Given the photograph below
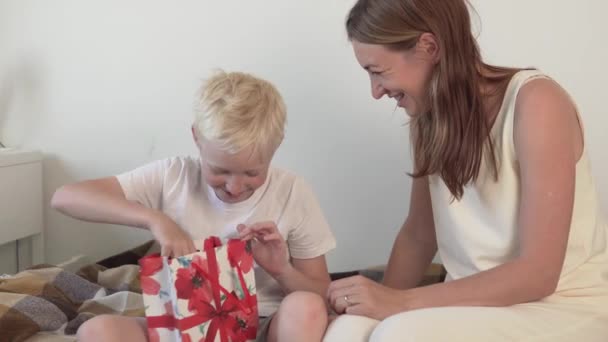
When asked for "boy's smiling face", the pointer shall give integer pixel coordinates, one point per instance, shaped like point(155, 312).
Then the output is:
point(233, 177)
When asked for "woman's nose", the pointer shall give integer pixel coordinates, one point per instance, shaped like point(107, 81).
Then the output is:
point(377, 90)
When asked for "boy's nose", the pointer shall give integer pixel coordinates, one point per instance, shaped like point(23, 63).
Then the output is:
point(234, 186)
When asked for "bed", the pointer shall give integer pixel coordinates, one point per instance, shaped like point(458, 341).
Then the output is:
point(49, 302)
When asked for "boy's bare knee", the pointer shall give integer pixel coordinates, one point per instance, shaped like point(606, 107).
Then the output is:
point(302, 316)
point(95, 329)
point(112, 328)
point(306, 308)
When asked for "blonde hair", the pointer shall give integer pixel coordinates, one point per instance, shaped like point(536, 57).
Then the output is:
point(237, 110)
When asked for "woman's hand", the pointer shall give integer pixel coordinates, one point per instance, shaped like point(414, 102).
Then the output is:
point(268, 247)
point(359, 295)
point(173, 240)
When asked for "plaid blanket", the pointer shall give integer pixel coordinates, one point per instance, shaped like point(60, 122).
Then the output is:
point(55, 301)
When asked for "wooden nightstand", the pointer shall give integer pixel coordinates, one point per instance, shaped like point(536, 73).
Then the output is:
point(21, 203)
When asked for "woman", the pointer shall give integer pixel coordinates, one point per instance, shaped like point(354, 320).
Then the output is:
point(502, 189)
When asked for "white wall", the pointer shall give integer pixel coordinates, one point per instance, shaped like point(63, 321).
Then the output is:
point(104, 86)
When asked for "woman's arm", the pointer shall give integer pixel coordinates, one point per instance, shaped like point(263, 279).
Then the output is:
point(416, 244)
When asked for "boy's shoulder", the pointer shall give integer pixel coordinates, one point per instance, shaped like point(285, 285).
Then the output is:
point(279, 177)
point(280, 174)
point(289, 183)
point(185, 163)
point(175, 168)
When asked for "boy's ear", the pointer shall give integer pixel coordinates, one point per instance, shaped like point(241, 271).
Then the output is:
point(194, 136)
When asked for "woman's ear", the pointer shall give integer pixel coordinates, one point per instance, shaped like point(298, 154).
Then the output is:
point(428, 44)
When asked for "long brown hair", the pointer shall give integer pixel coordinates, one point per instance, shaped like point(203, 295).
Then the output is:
point(451, 138)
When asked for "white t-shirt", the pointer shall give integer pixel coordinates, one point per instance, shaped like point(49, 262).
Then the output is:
point(175, 186)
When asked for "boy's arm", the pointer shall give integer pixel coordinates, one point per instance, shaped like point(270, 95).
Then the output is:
point(270, 252)
point(308, 243)
point(103, 200)
point(305, 275)
point(297, 264)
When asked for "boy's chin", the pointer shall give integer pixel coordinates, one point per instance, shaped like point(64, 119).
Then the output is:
point(224, 197)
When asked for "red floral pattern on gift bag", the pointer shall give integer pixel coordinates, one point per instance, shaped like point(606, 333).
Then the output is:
point(148, 268)
point(239, 254)
point(212, 293)
point(190, 283)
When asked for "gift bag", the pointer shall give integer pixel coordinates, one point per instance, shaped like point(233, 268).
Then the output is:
point(206, 296)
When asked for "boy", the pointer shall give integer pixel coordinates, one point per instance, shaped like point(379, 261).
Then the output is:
point(239, 124)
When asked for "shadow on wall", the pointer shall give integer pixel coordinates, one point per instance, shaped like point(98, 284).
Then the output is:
point(55, 174)
point(21, 101)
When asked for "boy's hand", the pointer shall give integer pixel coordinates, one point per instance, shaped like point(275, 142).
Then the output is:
point(174, 241)
point(268, 247)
